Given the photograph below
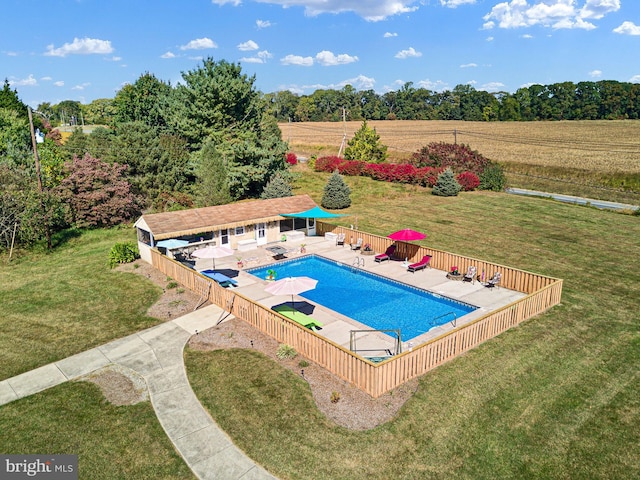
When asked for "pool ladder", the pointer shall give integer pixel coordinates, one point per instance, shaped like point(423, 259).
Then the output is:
point(356, 262)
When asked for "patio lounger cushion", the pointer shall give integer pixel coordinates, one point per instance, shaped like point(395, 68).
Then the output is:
point(419, 265)
point(298, 317)
point(386, 255)
point(221, 279)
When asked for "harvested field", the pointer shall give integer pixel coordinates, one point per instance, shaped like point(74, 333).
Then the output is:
point(597, 146)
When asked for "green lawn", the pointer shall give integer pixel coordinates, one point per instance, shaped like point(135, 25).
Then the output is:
point(111, 442)
point(557, 397)
point(64, 302)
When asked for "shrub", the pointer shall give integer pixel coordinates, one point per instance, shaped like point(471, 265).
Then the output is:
point(335, 397)
point(446, 185)
point(328, 164)
point(365, 145)
point(493, 178)
point(336, 193)
point(352, 168)
point(172, 284)
point(303, 364)
point(286, 352)
point(125, 252)
point(459, 158)
point(468, 181)
point(291, 158)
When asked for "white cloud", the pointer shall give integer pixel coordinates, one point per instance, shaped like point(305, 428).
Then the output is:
point(438, 85)
point(30, 81)
point(248, 46)
point(263, 24)
point(168, 55)
point(372, 11)
point(455, 3)
point(115, 59)
point(490, 39)
point(635, 79)
point(469, 65)
point(556, 14)
point(326, 58)
point(46, 79)
point(492, 87)
point(81, 86)
point(599, 8)
point(595, 73)
point(59, 83)
point(526, 36)
point(84, 46)
point(260, 57)
point(297, 60)
point(628, 28)
point(408, 53)
point(389, 34)
point(361, 82)
point(12, 54)
point(199, 44)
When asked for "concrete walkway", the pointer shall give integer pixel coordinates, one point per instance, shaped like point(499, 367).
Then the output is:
point(157, 355)
point(602, 204)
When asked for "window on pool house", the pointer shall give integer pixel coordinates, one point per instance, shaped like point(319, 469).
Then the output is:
point(239, 231)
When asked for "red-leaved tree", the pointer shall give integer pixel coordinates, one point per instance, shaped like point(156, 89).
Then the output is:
point(97, 194)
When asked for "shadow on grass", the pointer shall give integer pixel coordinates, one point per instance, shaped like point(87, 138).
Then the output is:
point(61, 238)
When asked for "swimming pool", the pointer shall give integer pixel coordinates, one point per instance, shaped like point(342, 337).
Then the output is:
point(371, 299)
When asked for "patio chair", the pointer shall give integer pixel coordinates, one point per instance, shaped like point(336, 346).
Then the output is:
point(386, 255)
point(470, 276)
point(422, 264)
point(340, 239)
point(494, 281)
point(357, 245)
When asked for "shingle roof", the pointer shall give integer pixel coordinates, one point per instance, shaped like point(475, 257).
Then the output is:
point(199, 220)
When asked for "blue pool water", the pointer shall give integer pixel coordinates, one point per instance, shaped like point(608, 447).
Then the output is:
point(371, 299)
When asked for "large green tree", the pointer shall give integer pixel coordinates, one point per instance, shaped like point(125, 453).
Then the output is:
point(218, 103)
point(144, 101)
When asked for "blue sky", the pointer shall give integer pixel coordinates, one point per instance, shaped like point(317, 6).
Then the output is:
point(88, 49)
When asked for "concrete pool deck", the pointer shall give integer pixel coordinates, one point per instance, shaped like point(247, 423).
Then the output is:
point(337, 327)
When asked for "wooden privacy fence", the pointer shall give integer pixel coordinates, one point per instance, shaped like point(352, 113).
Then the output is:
point(376, 379)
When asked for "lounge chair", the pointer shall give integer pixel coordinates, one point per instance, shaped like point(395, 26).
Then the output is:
point(220, 278)
point(357, 245)
point(298, 317)
point(414, 267)
point(470, 276)
point(340, 239)
point(493, 281)
point(386, 255)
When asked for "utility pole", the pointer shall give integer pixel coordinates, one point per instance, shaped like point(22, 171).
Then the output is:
point(39, 176)
point(455, 136)
point(344, 136)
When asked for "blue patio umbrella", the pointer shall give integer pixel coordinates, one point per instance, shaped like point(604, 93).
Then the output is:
point(172, 243)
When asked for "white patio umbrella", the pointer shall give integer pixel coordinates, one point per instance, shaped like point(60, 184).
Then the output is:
point(291, 286)
point(212, 252)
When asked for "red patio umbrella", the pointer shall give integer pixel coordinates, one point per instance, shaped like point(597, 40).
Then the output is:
point(407, 235)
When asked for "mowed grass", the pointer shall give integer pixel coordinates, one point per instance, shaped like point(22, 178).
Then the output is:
point(67, 301)
point(110, 441)
point(557, 397)
point(596, 159)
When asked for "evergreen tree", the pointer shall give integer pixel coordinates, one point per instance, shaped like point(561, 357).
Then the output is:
point(446, 186)
point(212, 178)
point(336, 193)
point(365, 145)
point(277, 187)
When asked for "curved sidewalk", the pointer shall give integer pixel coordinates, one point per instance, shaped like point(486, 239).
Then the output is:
point(157, 355)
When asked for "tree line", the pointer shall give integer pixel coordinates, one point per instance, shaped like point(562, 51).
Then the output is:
point(602, 100)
